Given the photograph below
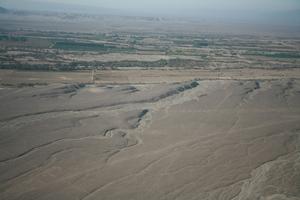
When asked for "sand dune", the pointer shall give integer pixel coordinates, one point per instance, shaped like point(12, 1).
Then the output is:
point(210, 139)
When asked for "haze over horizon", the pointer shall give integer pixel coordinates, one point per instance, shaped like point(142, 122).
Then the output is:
point(267, 11)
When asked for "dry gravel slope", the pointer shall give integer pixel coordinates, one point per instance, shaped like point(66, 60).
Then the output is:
point(231, 140)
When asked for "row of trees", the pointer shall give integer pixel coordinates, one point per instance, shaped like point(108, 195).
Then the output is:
point(81, 65)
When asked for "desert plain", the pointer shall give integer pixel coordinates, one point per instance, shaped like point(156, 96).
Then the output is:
point(177, 119)
point(191, 139)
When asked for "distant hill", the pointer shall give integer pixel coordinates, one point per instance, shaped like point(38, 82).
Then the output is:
point(291, 17)
point(3, 10)
point(44, 6)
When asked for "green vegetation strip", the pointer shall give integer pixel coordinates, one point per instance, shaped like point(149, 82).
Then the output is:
point(82, 46)
point(12, 38)
point(274, 54)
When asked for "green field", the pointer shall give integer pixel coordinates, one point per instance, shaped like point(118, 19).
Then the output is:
point(12, 38)
point(85, 46)
point(271, 54)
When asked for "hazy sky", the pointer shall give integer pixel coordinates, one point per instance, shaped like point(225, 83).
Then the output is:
point(244, 9)
point(180, 5)
point(193, 4)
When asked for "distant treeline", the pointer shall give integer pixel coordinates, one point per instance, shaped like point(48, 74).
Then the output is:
point(13, 38)
point(81, 65)
point(274, 54)
point(84, 46)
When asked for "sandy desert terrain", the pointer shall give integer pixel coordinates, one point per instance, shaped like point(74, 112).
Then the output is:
point(96, 107)
point(204, 139)
point(15, 78)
